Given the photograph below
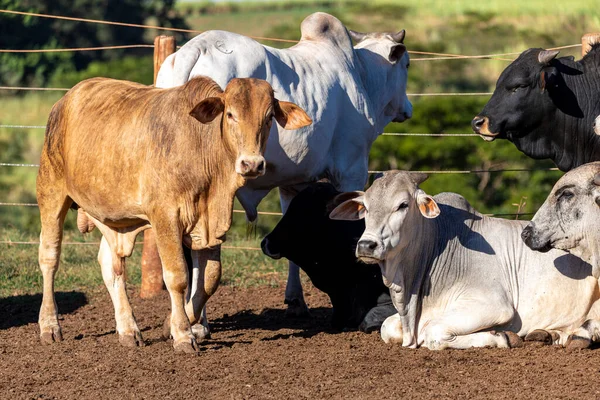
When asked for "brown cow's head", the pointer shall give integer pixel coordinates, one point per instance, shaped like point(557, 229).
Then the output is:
point(249, 107)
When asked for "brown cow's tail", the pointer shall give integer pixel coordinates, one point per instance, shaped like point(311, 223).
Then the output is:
point(84, 223)
point(54, 137)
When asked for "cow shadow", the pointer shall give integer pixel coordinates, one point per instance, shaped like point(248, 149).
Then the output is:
point(21, 310)
point(272, 319)
point(573, 267)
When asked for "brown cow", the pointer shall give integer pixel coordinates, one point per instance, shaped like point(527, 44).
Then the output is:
point(134, 156)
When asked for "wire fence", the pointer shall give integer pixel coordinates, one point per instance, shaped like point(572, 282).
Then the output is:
point(434, 57)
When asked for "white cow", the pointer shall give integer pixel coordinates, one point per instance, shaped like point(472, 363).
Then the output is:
point(459, 279)
point(351, 94)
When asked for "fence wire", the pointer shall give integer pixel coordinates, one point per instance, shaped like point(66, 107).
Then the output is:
point(441, 56)
point(11, 242)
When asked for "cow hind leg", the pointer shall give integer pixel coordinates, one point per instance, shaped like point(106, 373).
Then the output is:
point(54, 206)
point(466, 326)
point(583, 337)
point(129, 333)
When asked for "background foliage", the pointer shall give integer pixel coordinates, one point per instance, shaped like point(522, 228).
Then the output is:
point(462, 27)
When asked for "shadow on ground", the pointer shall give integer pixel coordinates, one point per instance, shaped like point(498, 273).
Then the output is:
point(272, 319)
point(22, 310)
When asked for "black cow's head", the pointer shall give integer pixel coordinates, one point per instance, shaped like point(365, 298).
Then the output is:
point(325, 250)
point(532, 104)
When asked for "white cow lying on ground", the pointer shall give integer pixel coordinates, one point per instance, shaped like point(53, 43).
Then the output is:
point(459, 279)
point(351, 94)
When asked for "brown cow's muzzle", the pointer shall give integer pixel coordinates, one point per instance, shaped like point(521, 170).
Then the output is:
point(250, 167)
point(481, 126)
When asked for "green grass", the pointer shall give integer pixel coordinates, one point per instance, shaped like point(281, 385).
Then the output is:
point(79, 269)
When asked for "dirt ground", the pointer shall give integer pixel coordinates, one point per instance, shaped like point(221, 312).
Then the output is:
point(256, 352)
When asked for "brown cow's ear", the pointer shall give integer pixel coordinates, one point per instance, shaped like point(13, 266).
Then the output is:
point(427, 205)
point(290, 116)
point(208, 109)
point(351, 209)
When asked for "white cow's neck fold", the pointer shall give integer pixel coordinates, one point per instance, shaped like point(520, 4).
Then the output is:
point(405, 268)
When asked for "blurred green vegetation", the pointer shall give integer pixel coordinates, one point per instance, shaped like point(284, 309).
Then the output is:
point(460, 27)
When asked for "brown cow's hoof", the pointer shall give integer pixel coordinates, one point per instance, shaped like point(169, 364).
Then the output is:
point(134, 340)
point(297, 308)
point(514, 340)
point(539, 335)
point(55, 335)
point(577, 343)
point(187, 347)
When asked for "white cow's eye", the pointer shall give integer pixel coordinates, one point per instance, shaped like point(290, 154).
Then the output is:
point(566, 194)
point(403, 206)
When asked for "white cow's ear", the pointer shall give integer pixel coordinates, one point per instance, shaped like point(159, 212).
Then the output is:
point(350, 209)
point(396, 52)
point(208, 109)
point(427, 205)
point(290, 116)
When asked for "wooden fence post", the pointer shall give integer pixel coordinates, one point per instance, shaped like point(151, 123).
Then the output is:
point(588, 40)
point(152, 281)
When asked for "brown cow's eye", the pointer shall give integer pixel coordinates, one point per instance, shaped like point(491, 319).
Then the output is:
point(229, 115)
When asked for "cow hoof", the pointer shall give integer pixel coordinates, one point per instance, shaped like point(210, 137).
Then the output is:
point(188, 347)
point(514, 340)
point(201, 332)
point(577, 342)
point(539, 335)
point(134, 340)
point(53, 335)
point(297, 308)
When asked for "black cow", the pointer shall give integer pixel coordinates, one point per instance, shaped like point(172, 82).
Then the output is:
point(325, 250)
point(547, 106)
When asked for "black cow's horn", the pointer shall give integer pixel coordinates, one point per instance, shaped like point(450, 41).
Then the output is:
point(399, 37)
point(357, 36)
point(597, 179)
point(546, 56)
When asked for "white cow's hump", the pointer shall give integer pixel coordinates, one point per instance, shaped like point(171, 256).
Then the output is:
point(320, 26)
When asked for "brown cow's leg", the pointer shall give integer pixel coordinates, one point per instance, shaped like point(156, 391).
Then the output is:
point(54, 205)
point(168, 240)
point(129, 333)
point(205, 281)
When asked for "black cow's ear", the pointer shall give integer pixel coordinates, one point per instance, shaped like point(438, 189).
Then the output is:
point(549, 78)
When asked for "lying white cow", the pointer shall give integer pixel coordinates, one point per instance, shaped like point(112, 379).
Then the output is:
point(459, 279)
point(351, 94)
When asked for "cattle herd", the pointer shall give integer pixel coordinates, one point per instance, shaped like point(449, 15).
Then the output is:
point(424, 270)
